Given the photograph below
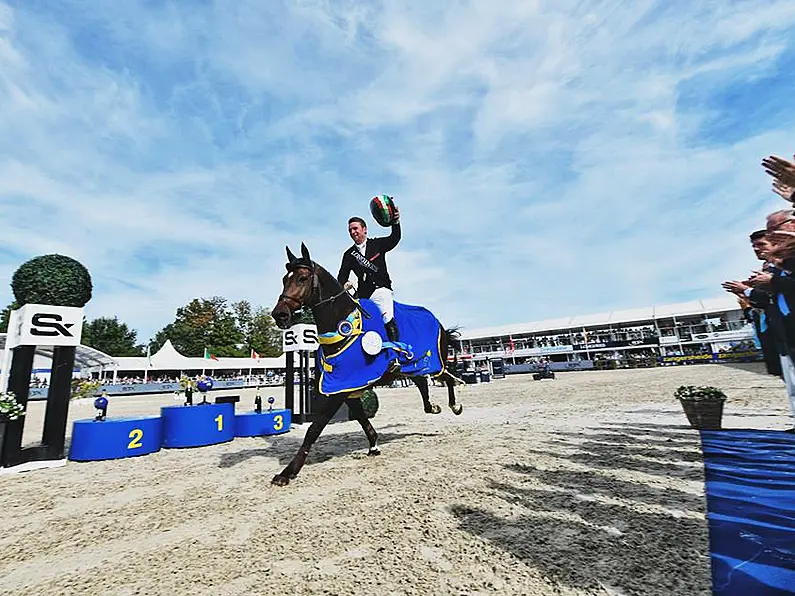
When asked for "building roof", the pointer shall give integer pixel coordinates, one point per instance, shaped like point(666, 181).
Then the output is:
point(616, 317)
point(167, 358)
point(85, 357)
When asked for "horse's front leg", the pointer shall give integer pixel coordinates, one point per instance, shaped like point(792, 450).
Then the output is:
point(357, 410)
point(330, 407)
point(422, 385)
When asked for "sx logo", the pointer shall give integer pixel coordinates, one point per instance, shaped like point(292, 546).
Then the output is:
point(49, 325)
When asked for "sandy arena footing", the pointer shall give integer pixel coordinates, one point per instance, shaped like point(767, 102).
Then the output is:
point(589, 484)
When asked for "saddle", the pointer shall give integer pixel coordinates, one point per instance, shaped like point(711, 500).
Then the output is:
point(366, 355)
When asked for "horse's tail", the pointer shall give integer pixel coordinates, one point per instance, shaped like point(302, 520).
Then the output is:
point(452, 337)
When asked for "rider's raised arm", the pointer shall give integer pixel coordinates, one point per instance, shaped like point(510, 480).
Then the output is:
point(392, 240)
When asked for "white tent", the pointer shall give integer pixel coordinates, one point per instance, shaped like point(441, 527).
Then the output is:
point(167, 358)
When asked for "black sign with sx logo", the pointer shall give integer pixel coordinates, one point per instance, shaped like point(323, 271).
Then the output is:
point(50, 325)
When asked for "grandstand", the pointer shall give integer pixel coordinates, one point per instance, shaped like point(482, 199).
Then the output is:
point(702, 330)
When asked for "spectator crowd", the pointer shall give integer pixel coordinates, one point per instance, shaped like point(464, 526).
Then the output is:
point(767, 296)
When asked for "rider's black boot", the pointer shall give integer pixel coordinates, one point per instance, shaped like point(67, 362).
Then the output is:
point(392, 330)
point(392, 335)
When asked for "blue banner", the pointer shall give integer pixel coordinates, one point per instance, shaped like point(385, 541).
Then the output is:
point(134, 388)
point(40, 393)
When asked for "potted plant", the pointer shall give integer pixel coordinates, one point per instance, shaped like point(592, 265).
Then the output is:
point(703, 406)
point(10, 409)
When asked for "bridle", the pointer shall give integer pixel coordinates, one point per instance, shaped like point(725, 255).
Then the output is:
point(290, 301)
point(293, 303)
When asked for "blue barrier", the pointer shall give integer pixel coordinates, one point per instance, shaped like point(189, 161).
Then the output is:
point(114, 438)
point(512, 369)
point(197, 426)
point(254, 424)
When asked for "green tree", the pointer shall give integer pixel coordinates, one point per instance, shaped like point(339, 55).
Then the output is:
point(5, 316)
point(112, 337)
point(304, 316)
point(263, 335)
point(203, 323)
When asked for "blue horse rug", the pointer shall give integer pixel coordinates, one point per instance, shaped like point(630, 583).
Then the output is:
point(750, 487)
point(418, 350)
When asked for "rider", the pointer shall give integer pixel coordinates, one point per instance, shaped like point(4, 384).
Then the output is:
point(367, 259)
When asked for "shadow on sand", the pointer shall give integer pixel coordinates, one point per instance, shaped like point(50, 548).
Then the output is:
point(328, 446)
point(594, 530)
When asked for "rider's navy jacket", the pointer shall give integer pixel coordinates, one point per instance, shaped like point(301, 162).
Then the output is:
point(370, 268)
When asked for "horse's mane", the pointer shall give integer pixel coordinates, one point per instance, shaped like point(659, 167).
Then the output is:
point(326, 278)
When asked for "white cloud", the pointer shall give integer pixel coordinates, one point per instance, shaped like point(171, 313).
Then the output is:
point(549, 159)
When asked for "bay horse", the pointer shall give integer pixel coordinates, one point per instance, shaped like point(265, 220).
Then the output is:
point(309, 285)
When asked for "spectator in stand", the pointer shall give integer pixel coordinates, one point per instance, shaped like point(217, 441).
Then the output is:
point(781, 284)
point(769, 294)
point(758, 308)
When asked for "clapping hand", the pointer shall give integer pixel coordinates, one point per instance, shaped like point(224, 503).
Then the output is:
point(781, 169)
point(760, 279)
point(784, 191)
point(735, 287)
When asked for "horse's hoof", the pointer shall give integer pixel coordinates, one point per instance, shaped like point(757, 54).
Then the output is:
point(457, 409)
point(434, 409)
point(373, 451)
point(280, 480)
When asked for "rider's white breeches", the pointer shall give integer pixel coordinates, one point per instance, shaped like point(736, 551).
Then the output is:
point(383, 299)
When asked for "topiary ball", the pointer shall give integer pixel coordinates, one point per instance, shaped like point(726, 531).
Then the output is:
point(52, 279)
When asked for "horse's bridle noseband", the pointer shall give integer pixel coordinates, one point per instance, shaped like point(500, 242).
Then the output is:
point(315, 286)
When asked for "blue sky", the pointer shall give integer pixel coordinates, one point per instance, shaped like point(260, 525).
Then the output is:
point(549, 158)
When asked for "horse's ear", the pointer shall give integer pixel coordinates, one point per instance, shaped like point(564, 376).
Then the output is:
point(290, 256)
point(305, 252)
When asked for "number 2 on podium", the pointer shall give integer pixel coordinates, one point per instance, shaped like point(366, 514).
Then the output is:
point(220, 421)
point(135, 434)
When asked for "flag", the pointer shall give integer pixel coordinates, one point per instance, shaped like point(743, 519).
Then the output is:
point(254, 354)
point(148, 356)
point(510, 338)
point(208, 355)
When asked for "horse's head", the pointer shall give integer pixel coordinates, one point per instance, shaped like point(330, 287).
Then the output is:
point(299, 284)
